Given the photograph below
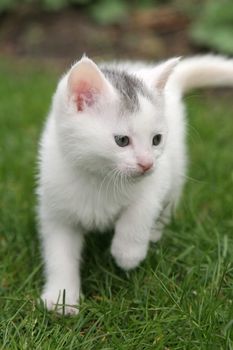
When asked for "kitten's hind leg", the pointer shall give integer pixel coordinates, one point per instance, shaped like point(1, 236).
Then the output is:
point(62, 253)
point(161, 222)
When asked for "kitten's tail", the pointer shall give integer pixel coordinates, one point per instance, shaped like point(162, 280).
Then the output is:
point(203, 71)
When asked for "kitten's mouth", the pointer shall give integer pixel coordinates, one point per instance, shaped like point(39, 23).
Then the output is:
point(138, 174)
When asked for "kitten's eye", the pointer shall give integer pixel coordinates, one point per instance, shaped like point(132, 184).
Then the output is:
point(121, 141)
point(157, 139)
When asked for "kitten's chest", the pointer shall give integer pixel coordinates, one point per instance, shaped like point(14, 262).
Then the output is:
point(96, 206)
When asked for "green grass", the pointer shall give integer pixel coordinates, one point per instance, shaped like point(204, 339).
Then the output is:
point(181, 297)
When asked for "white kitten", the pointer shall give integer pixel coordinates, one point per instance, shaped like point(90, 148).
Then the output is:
point(113, 154)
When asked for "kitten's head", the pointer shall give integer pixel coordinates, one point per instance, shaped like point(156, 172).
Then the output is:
point(109, 120)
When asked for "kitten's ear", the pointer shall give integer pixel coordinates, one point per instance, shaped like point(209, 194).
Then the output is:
point(86, 83)
point(164, 71)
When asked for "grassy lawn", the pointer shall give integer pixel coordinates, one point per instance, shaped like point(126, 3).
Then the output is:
point(181, 297)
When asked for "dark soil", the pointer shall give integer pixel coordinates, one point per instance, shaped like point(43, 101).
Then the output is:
point(148, 34)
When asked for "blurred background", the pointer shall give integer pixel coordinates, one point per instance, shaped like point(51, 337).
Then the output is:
point(105, 29)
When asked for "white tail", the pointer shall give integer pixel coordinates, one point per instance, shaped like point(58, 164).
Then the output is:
point(201, 71)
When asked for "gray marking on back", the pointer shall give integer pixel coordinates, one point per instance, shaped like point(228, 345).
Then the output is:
point(129, 88)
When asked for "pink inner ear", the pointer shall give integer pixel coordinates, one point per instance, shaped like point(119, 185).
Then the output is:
point(85, 95)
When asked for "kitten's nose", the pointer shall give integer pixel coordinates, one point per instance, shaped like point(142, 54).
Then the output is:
point(145, 166)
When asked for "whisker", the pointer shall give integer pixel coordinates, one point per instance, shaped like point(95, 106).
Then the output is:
point(102, 183)
point(115, 184)
point(192, 179)
point(112, 179)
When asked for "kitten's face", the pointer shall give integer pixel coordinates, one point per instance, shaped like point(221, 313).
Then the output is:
point(139, 139)
point(111, 126)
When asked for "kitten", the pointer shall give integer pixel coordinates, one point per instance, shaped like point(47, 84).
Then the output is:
point(113, 155)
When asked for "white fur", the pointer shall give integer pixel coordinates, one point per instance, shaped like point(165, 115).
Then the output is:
point(80, 191)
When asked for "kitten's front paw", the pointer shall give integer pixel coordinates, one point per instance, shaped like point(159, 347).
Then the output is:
point(156, 234)
point(63, 303)
point(127, 256)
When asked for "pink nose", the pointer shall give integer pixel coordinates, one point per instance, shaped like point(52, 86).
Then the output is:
point(145, 166)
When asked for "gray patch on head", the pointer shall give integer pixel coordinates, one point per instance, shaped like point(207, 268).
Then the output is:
point(128, 87)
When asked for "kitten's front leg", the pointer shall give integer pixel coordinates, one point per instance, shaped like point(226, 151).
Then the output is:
point(132, 234)
point(163, 219)
point(62, 253)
